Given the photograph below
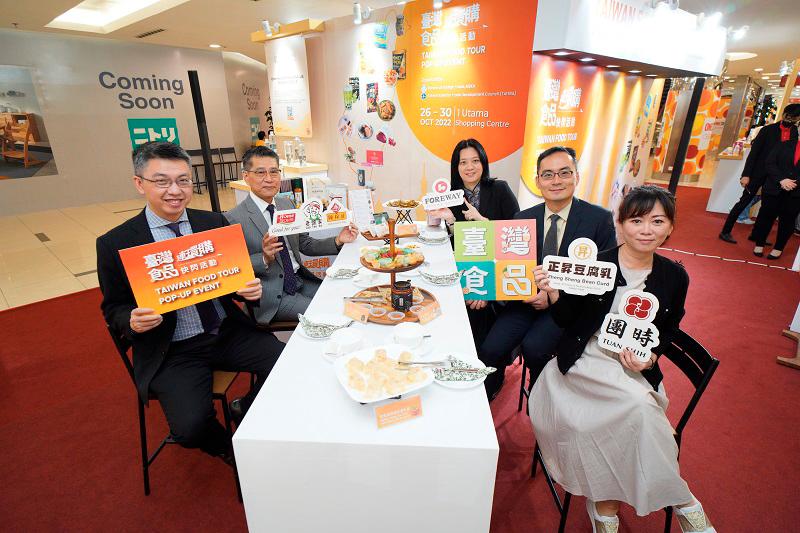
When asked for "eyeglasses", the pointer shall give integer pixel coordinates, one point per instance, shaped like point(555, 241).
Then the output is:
point(563, 174)
point(274, 173)
point(164, 183)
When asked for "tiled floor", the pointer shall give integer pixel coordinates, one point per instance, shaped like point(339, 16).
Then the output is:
point(51, 253)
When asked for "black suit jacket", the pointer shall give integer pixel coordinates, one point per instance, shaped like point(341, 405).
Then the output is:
point(149, 348)
point(497, 202)
point(585, 220)
point(781, 165)
point(582, 316)
point(755, 167)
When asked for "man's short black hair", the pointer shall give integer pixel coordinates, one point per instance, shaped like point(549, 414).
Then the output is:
point(157, 150)
point(554, 150)
point(792, 110)
point(262, 135)
point(257, 151)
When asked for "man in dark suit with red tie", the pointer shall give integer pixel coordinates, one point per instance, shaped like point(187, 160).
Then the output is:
point(755, 167)
point(175, 354)
point(560, 219)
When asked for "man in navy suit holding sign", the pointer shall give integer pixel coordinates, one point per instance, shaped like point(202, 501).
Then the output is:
point(560, 219)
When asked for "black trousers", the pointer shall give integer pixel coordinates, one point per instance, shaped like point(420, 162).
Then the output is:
point(743, 202)
point(481, 322)
point(183, 383)
point(519, 324)
point(785, 208)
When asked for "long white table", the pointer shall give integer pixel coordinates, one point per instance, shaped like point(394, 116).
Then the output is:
point(312, 460)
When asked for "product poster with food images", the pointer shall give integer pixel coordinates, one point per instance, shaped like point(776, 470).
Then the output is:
point(372, 97)
point(311, 216)
point(176, 273)
point(496, 259)
point(632, 326)
point(580, 273)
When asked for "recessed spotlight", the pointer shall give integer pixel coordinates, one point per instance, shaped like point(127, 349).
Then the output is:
point(652, 75)
point(587, 59)
point(635, 71)
point(764, 77)
point(738, 56)
point(214, 45)
point(563, 53)
point(758, 69)
point(612, 66)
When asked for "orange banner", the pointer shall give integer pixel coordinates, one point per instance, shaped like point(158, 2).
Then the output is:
point(176, 273)
point(467, 73)
point(702, 132)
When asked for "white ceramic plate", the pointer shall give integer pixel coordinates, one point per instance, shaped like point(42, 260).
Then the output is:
point(325, 318)
point(393, 351)
point(473, 362)
point(420, 351)
point(331, 273)
point(380, 279)
point(331, 357)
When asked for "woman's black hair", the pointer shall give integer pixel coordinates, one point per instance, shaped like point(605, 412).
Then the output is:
point(641, 200)
point(455, 178)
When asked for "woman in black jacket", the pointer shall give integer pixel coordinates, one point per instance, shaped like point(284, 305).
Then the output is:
point(780, 198)
point(599, 415)
point(485, 198)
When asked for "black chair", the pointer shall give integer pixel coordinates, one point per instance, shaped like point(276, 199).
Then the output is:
point(524, 391)
point(198, 168)
point(231, 164)
point(698, 365)
point(222, 383)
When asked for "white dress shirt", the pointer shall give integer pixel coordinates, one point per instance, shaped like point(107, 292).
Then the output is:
point(262, 206)
point(561, 223)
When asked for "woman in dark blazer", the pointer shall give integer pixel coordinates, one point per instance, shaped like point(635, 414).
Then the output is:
point(485, 198)
point(600, 415)
point(780, 198)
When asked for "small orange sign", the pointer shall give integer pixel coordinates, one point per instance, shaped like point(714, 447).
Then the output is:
point(399, 411)
point(176, 273)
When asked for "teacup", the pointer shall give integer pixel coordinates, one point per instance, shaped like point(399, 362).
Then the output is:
point(409, 334)
point(368, 277)
point(344, 341)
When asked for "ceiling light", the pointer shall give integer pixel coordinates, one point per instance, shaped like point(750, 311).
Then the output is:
point(214, 45)
point(738, 56)
point(105, 16)
point(612, 66)
point(635, 71)
point(764, 77)
point(758, 69)
point(563, 53)
point(360, 15)
point(739, 33)
point(587, 59)
point(437, 4)
point(652, 75)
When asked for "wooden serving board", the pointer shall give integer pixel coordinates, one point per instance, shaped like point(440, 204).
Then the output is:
point(402, 231)
point(427, 299)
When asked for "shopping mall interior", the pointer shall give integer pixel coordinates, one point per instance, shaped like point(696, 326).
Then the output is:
point(363, 105)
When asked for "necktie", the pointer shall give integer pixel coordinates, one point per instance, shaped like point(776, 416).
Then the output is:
point(206, 310)
point(550, 246)
point(289, 277)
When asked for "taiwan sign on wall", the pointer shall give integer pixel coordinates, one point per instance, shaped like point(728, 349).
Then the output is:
point(496, 259)
point(144, 130)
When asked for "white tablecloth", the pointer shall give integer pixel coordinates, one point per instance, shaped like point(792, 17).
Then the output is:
point(312, 459)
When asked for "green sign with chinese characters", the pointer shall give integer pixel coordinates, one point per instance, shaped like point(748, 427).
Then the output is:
point(144, 130)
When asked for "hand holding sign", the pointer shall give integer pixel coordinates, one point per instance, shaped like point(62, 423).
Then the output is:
point(632, 328)
point(442, 196)
point(581, 273)
point(310, 217)
point(271, 246)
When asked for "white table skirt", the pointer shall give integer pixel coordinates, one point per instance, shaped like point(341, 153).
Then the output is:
point(312, 459)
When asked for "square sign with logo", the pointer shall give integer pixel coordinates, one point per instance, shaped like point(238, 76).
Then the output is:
point(496, 259)
point(144, 130)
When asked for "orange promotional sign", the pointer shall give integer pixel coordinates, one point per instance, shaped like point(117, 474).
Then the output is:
point(467, 73)
point(399, 411)
point(176, 273)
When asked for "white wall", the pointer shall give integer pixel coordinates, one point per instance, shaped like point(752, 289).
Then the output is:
point(86, 126)
point(248, 96)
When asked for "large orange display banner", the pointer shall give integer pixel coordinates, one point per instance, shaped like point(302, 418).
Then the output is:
point(467, 73)
point(590, 109)
point(702, 131)
point(176, 273)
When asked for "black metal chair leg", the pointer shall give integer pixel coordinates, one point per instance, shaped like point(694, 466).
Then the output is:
point(535, 460)
point(564, 512)
point(143, 445)
point(668, 520)
point(522, 387)
point(226, 414)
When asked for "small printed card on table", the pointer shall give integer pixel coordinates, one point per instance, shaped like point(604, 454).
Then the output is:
point(497, 259)
point(580, 273)
point(399, 411)
point(356, 311)
point(176, 273)
point(429, 312)
point(632, 327)
point(310, 217)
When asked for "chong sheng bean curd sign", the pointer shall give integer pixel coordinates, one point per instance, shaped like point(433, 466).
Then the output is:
point(176, 273)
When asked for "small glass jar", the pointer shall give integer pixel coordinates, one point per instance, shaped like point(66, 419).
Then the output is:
point(402, 295)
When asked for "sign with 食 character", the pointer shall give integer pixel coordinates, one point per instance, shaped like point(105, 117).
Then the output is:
point(176, 273)
point(310, 217)
point(632, 327)
point(496, 259)
point(580, 273)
